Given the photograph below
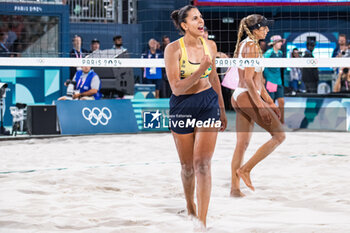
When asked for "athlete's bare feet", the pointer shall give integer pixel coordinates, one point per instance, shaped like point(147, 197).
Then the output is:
point(191, 209)
point(235, 190)
point(245, 175)
point(236, 193)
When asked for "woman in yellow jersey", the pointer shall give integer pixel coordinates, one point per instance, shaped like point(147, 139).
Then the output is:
point(252, 103)
point(196, 105)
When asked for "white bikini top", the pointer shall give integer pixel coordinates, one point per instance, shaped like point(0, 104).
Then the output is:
point(244, 42)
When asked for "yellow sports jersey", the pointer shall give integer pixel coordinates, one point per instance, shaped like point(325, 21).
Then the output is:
point(187, 67)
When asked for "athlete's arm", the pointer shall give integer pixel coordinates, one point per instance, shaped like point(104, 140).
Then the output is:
point(267, 98)
point(215, 82)
point(172, 56)
point(265, 95)
point(251, 51)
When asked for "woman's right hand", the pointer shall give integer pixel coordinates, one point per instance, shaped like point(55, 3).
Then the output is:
point(275, 109)
point(265, 115)
point(205, 62)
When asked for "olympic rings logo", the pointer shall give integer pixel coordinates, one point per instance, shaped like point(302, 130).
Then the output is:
point(312, 61)
point(96, 116)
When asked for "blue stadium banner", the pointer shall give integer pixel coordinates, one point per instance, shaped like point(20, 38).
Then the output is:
point(93, 117)
point(31, 8)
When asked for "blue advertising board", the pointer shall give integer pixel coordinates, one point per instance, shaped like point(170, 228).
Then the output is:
point(93, 117)
point(317, 113)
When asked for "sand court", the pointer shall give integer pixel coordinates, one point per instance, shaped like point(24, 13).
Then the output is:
point(131, 183)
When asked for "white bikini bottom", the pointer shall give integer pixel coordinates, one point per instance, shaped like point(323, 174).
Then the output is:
point(240, 90)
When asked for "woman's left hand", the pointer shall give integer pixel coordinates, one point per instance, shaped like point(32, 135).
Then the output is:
point(275, 109)
point(223, 120)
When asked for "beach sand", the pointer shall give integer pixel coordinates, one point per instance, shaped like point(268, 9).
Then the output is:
point(131, 183)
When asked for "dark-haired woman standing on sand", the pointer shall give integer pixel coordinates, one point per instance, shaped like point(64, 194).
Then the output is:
point(190, 67)
point(252, 104)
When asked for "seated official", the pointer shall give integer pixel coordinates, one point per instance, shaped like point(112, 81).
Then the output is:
point(87, 85)
point(343, 82)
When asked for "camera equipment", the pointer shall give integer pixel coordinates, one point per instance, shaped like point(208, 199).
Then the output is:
point(345, 53)
point(3, 87)
point(70, 88)
point(19, 118)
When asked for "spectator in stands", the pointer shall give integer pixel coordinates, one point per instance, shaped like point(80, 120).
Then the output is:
point(95, 45)
point(165, 90)
point(12, 36)
point(341, 48)
point(273, 76)
point(4, 51)
point(18, 25)
point(87, 85)
point(17, 48)
point(165, 42)
point(263, 46)
point(77, 51)
point(310, 75)
point(153, 75)
point(118, 44)
point(343, 82)
point(296, 83)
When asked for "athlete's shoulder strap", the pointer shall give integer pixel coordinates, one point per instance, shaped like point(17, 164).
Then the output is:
point(183, 49)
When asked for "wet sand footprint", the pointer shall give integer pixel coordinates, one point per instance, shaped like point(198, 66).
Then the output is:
point(108, 188)
point(32, 192)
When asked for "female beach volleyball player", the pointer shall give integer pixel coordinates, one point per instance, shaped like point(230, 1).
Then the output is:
point(190, 67)
point(252, 103)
